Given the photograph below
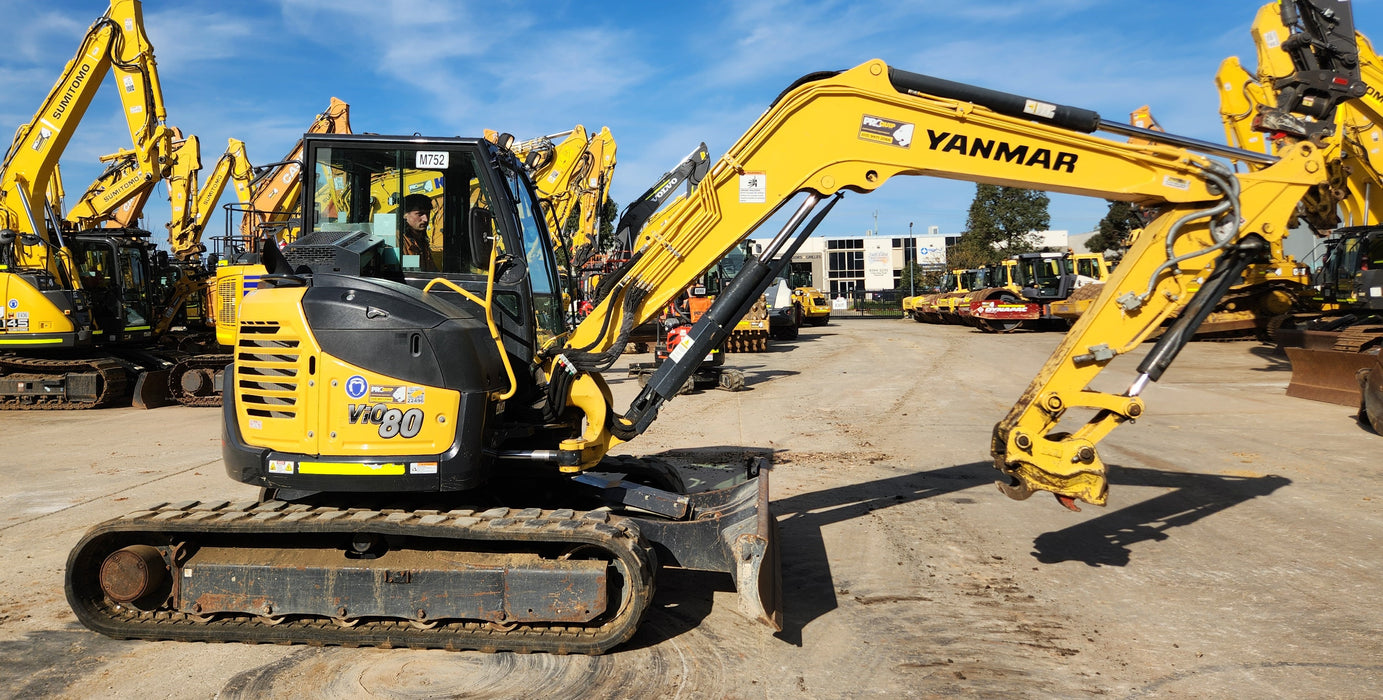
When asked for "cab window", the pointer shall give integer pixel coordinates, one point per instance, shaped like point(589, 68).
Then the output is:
point(428, 208)
point(542, 271)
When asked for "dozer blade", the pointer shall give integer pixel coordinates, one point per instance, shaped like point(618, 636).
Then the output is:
point(151, 389)
point(758, 569)
point(731, 530)
point(1326, 375)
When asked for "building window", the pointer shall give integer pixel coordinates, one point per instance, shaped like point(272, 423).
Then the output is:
point(844, 265)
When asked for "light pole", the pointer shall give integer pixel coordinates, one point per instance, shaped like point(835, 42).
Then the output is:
point(912, 268)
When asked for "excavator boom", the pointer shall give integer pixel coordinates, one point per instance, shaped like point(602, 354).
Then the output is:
point(115, 43)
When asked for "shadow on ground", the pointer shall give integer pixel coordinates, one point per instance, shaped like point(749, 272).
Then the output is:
point(1275, 357)
point(801, 519)
point(1105, 541)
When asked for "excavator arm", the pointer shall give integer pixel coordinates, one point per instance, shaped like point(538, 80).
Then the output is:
point(116, 43)
point(591, 195)
point(1152, 283)
point(275, 194)
point(855, 130)
point(573, 173)
point(192, 204)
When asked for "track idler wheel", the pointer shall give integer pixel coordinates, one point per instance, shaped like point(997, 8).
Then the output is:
point(136, 576)
point(198, 382)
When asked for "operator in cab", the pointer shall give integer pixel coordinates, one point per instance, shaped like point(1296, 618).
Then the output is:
point(413, 235)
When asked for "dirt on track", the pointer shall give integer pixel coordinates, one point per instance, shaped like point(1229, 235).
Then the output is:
point(1238, 556)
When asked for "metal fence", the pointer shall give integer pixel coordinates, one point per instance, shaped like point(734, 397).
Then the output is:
point(887, 304)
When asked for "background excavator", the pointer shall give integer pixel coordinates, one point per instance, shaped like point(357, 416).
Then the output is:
point(193, 378)
point(81, 303)
point(571, 176)
point(1335, 329)
point(271, 216)
point(421, 432)
point(1035, 283)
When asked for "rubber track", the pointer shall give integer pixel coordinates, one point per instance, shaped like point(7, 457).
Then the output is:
point(191, 363)
point(1357, 338)
point(113, 381)
point(618, 536)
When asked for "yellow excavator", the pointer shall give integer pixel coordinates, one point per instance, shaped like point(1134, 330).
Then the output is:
point(80, 303)
point(199, 361)
point(419, 433)
point(1336, 326)
point(192, 203)
point(574, 174)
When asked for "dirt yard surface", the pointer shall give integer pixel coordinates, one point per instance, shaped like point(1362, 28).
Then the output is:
point(1239, 555)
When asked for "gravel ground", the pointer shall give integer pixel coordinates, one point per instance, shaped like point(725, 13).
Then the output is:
point(1238, 556)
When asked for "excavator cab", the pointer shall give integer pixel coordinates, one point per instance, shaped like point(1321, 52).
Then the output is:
point(1351, 256)
point(118, 278)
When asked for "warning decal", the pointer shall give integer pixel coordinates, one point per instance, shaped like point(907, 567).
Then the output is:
point(753, 188)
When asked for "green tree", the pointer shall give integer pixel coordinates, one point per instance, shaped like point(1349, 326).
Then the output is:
point(1115, 228)
point(609, 216)
point(915, 279)
point(1002, 220)
point(970, 253)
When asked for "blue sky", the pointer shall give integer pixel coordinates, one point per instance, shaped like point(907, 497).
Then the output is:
point(663, 77)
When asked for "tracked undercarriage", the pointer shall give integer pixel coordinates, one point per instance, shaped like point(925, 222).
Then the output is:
point(197, 380)
point(502, 579)
point(32, 383)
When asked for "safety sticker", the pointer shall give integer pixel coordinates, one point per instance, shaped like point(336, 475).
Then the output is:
point(1176, 183)
point(681, 350)
point(889, 131)
point(1046, 110)
point(425, 186)
point(280, 466)
point(13, 304)
point(388, 393)
point(357, 387)
point(753, 188)
point(422, 468)
point(256, 424)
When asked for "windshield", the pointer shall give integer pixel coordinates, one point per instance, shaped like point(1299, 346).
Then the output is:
point(426, 211)
point(722, 272)
point(1042, 273)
